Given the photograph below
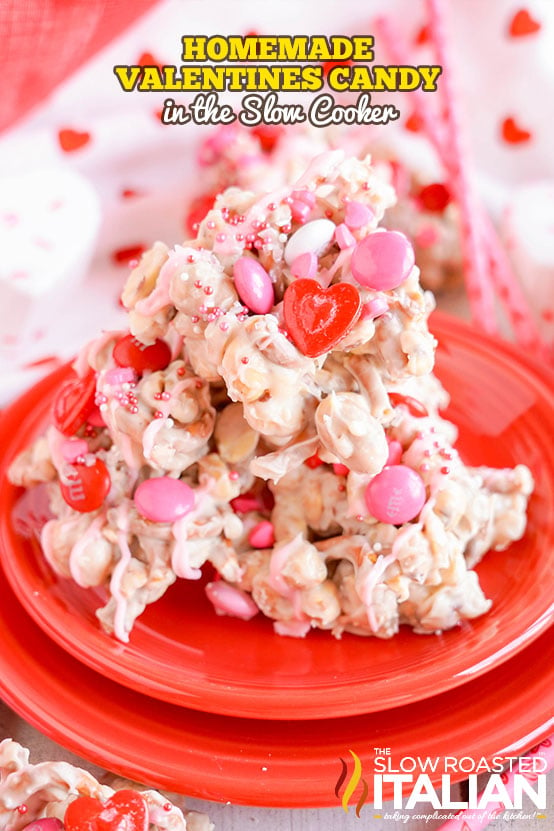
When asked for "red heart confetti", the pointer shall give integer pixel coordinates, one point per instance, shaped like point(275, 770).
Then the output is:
point(523, 24)
point(84, 487)
point(71, 140)
point(435, 198)
point(148, 59)
point(423, 36)
point(317, 318)
point(124, 256)
point(414, 123)
point(126, 810)
point(268, 135)
point(513, 133)
point(73, 403)
point(129, 351)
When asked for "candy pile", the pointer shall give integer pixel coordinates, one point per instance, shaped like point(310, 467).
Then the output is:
point(56, 796)
point(263, 159)
point(273, 411)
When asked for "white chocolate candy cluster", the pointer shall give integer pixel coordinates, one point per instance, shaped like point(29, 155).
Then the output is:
point(424, 209)
point(273, 411)
point(32, 792)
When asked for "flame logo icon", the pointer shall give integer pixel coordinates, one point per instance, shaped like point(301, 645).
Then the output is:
point(352, 784)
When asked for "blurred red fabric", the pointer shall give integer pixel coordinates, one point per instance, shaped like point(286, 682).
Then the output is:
point(42, 42)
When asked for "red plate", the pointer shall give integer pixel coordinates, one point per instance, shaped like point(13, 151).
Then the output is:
point(254, 762)
point(180, 651)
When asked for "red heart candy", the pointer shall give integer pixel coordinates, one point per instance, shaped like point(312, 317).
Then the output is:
point(513, 133)
point(317, 318)
point(84, 487)
point(73, 403)
point(71, 140)
point(523, 24)
point(126, 810)
point(131, 352)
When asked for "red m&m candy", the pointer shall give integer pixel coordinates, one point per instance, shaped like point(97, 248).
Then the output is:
point(73, 403)
point(84, 487)
point(129, 351)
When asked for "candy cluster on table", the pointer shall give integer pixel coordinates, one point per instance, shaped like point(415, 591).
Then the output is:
point(57, 796)
point(272, 411)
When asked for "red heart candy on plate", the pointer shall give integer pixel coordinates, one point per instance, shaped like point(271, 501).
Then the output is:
point(126, 810)
point(523, 24)
point(317, 318)
point(84, 487)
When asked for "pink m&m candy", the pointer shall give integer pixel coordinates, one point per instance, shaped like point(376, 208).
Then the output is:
point(382, 260)
point(396, 495)
point(262, 535)
point(357, 214)
point(253, 285)
point(304, 266)
point(48, 824)
point(163, 499)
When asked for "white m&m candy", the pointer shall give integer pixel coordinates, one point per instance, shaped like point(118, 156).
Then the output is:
point(310, 238)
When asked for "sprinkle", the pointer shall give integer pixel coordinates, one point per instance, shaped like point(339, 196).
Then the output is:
point(208, 290)
point(221, 237)
point(181, 370)
point(158, 414)
point(244, 360)
point(197, 284)
point(168, 806)
point(425, 467)
point(191, 258)
point(224, 326)
point(194, 319)
point(21, 809)
point(233, 475)
point(239, 237)
point(445, 469)
point(210, 224)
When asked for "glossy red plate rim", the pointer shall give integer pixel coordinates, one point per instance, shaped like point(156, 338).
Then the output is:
point(314, 678)
point(250, 761)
